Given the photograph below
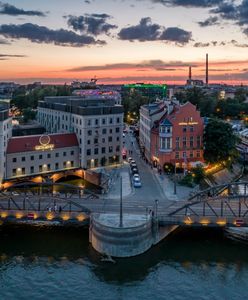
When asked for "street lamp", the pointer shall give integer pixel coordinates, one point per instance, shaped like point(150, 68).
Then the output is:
point(175, 184)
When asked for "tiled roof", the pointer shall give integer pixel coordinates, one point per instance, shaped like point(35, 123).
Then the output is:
point(28, 143)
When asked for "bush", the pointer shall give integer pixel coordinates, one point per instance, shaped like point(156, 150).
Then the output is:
point(187, 180)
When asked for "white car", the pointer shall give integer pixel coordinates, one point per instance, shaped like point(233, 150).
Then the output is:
point(136, 176)
point(136, 182)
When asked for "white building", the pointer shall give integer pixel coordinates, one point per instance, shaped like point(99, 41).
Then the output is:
point(148, 115)
point(98, 124)
point(5, 135)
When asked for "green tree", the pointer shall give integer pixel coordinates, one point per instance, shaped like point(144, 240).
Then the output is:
point(219, 142)
point(28, 114)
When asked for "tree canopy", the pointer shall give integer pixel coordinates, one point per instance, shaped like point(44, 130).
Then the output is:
point(219, 142)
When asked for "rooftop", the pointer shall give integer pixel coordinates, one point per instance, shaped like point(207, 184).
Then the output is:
point(29, 143)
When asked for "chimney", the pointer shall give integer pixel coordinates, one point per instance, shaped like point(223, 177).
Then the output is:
point(207, 69)
point(190, 74)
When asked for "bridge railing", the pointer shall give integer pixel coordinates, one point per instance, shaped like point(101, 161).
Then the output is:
point(203, 221)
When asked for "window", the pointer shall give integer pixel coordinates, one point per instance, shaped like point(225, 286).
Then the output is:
point(96, 151)
point(110, 139)
point(88, 152)
point(95, 141)
point(184, 155)
point(184, 129)
point(57, 154)
point(184, 142)
point(56, 166)
point(118, 138)
point(89, 132)
point(48, 155)
point(72, 163)
point(177, 155)
point(88, 142)
point(198, 141)
point(103, 121)
point(191, 155)
point(96, 121)
point(23, 158)
point(104, 131)
point(23, 171)
point(72, 152)
point(103, 150)
point(40, 156)
point(40, 168)
point(191, 128)
point(64, 164)
point(165, 143)
point(118, 120)
point(14, 159)
point(177, 142)
point(117, 129)
point(31, 157)
point(14, 172)
point(110, 131)
point(31, 169)
point(48, 167)
point(110, 149)
point(110, 121)
point(64, 153)
point(117, 148)
point(103, 140)
point(191, 142)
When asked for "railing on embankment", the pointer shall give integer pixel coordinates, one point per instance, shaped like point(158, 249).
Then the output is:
point(43, 218)
point(200, 221)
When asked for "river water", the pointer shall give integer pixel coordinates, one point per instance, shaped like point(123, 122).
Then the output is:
point(38, 263)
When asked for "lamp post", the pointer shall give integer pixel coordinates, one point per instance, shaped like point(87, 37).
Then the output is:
point(175, 173)
point(121, 212)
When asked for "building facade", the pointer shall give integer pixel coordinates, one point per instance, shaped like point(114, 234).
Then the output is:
point(97, 123)
point(5, 135)
point(148, 115)
point(177, 138)
point(41, 154)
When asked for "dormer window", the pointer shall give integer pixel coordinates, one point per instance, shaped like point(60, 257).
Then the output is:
point(165, 129)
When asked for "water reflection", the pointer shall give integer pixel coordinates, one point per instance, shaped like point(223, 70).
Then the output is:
point(187, 262)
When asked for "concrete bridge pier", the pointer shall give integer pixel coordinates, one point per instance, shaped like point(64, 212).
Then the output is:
point(137, 235)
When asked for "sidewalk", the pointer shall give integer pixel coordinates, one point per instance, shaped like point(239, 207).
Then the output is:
point(114, 190)
point(167, 185)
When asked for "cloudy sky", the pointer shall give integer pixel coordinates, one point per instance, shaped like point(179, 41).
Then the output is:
point(123, 40)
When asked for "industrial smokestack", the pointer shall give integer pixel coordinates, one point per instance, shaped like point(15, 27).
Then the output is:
point(207, 69)
point(190, 74)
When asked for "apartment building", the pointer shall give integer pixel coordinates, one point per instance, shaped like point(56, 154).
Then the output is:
point(97, 123)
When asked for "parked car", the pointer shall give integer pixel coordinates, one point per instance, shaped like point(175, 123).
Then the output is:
point(129, 159)
point(136, 182)
point(135, 171)
point(136, 176)
point(133, 165)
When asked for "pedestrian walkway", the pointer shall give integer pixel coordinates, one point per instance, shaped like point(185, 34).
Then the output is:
point(167, 185)
point(114, 190)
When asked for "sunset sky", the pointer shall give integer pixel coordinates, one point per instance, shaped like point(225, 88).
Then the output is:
point(120, 41)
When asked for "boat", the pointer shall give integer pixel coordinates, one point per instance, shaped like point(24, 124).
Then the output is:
point(239, 234)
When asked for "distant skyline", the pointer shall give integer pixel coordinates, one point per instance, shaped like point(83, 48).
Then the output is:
point(123, 41)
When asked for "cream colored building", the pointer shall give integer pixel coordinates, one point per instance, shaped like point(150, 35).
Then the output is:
point(98, 125)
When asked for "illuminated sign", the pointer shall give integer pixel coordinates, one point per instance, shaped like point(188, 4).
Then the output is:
point(44, 141)
point(188, 123)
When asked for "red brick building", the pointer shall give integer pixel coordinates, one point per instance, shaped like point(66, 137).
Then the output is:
point(178, 137)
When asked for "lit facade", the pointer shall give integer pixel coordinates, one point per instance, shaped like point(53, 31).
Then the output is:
point(177, 138)
point(97, 123)
point(41, 154)
point(5, 135)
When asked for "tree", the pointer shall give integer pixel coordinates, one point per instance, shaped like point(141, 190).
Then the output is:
point(28, 114)
point(219, 142)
